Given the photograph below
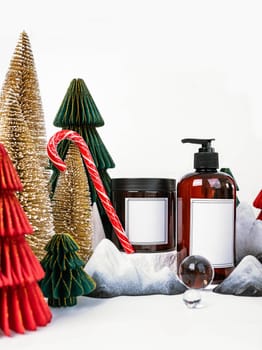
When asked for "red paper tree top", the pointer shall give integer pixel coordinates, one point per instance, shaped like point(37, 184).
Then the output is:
point(258, 201)
point(258, 204)
point(9, 180)
point(13, 220)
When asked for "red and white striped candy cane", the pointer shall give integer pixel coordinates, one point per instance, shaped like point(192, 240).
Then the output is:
point(89, 162)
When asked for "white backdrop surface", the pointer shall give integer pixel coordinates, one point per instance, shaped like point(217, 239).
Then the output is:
point(159, 71)
point(149, 322)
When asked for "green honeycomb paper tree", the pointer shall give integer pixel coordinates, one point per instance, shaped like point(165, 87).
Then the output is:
point(79, 112)
point(65, 278)
point(229, 172)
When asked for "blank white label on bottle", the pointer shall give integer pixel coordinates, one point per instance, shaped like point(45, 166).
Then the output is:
point(212, 230)
point(146, 220)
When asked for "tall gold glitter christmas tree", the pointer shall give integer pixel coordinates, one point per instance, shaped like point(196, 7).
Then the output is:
point(21, 78)
point(22, 131)
point(34, 198)
point(72, 203)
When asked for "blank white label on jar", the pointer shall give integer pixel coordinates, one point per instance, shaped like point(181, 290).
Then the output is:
point(146, 220)
point(212, 230)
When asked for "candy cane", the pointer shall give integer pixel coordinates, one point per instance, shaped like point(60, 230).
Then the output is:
point(89, 162)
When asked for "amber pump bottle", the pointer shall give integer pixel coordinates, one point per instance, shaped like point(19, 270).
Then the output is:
point(206, 211)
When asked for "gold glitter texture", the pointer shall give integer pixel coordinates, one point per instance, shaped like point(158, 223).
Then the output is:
point(22, 131)
point(21, 78)
point(17, 139)
point(72, 204)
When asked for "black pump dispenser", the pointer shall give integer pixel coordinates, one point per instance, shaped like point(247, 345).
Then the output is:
point(206, 158)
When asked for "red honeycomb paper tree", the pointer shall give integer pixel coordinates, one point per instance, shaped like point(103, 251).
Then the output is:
point(258, 204)
point(22, 304)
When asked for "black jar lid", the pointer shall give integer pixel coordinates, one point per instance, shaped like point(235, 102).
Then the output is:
point(143, 184)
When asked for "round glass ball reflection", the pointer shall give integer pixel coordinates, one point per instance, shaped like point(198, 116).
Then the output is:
point(196, 272)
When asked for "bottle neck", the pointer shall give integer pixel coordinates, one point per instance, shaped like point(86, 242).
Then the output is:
point(206, 170)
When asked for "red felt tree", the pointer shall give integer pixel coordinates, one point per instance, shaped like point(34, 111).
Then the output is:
point(22, 304)
point(258, 204)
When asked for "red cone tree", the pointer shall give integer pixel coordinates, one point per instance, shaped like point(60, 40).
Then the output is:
point(22, 305)
point(258, 204)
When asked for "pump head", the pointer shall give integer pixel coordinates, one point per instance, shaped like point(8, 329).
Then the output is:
point(206, 158)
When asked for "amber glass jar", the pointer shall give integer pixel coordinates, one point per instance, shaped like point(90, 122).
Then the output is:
point(146, 208)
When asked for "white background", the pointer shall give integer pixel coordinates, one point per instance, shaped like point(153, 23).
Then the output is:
point(159, 71)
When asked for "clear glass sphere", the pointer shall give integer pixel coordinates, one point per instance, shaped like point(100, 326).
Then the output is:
point(196, 272)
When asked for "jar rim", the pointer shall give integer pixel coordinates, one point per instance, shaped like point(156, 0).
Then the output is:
point(143, 184)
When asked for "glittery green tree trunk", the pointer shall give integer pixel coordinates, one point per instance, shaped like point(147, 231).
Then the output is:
point(65, 278)
point(79, 112)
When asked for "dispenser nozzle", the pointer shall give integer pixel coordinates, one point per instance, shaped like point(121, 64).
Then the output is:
point(206, 144)
point(206, 158)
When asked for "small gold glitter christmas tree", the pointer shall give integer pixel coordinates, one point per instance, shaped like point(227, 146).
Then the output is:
point(72, 203)
point(16, 137)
